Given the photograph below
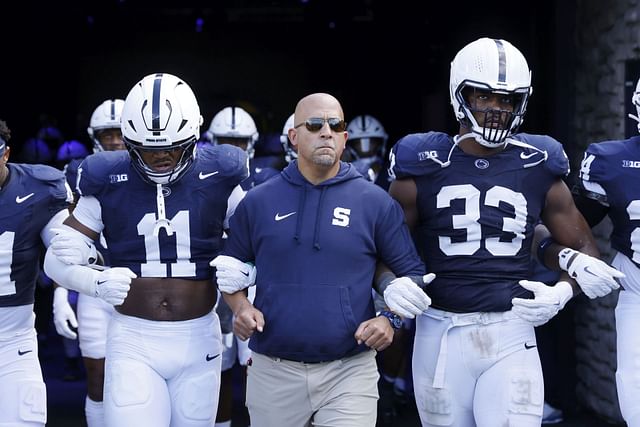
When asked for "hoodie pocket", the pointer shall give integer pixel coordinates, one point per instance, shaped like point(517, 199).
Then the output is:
point(307, 322)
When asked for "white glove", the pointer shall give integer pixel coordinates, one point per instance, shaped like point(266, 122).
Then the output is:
point(112, 284)
point(63, 314)
point(547, 301)
point(72, 247)
point(404, 297)
point(595, 277)
point(232, 274)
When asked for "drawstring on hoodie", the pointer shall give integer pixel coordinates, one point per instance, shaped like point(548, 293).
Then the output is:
point(316, 230)
point(301, 203)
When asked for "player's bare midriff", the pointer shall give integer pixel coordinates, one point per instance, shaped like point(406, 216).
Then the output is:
point(168, 299)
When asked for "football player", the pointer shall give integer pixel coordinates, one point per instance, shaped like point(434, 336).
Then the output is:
point(34, 200)
point(93, 313)
point(606, 187)
point(473, 200)
point(235, 126)
point(162, 210)
point(366, 148)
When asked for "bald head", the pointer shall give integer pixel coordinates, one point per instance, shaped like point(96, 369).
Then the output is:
point(316, 102)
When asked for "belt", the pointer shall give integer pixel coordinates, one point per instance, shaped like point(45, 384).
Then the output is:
point(456, 320)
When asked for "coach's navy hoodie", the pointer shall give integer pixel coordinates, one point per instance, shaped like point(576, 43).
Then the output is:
point(315, 248)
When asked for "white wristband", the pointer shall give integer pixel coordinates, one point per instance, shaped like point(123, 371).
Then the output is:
point(564, 256)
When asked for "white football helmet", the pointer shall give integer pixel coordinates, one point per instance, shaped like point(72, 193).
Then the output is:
point(367, 138)
point(161, 113)
point(495, 66)
point(635, 100)
point(290, 154)
point(106, 116)
point(236, 124)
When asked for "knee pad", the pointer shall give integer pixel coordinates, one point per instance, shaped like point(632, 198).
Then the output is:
point(198, 397)
point(526, 393)
point(32, 397)
point(122, 375)
point(435, 406)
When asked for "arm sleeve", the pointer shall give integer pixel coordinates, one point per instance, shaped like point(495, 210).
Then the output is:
point(56, 221)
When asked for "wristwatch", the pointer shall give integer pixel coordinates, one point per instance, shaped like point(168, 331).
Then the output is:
point(394, 319)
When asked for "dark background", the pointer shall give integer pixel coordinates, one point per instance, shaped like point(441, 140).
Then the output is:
point(385, 58)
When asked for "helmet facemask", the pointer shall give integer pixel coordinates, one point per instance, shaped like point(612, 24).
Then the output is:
point(491, 126)
point(148, 174)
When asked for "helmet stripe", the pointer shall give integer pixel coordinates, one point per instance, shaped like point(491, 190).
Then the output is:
point(502, 62)
point(233, 118)
point(113, 110)
point(155, 103)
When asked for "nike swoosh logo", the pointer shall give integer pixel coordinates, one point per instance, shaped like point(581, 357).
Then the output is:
point(207, 175)
point(22, 199)
point(527, 156)
point(210, 358)
point(281, 217)
point(529, 347)
point(587, 270)
point(22, 353)
point(100, 282)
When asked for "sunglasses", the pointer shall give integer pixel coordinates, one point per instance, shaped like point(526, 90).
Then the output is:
point(314, 124)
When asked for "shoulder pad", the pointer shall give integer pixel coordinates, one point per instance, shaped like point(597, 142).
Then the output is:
point(231, 160)
point(419, 153)
point(49, 176)
point(610, 148)
point(534, 149)
point(602, 160)
point(96, 170)
point(42, 172)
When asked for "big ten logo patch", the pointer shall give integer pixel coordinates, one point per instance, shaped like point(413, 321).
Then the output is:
point(121, 177)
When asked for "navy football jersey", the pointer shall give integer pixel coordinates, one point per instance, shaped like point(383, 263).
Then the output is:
point(71, 172)
point(477, 214)
point(609, 173)
point(30, 198)
point(195, 208)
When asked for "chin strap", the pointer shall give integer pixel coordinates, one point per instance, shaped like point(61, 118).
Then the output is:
point(456, 141)
point(162, 221)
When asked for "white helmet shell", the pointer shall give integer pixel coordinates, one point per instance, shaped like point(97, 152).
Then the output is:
point(367, 137)
point(290, 154)
point(234, 122)
point(497, 66)
point(106, 116)
point(161, 112)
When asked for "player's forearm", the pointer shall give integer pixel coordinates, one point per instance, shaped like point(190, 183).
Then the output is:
point(236, 300)
point(75, 277)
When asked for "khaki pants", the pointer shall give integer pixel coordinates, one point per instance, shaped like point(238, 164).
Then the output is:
point(341, 393)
